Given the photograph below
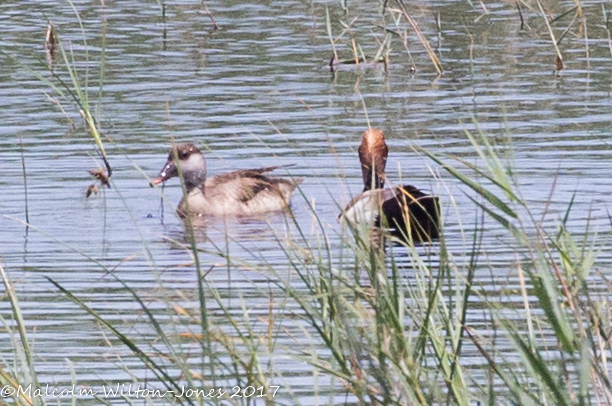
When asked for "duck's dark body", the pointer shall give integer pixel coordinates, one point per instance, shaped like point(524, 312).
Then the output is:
point(411, 213)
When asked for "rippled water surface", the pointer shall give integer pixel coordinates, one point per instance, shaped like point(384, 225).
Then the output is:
point(258, 92)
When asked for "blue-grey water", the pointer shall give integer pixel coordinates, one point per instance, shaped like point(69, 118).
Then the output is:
point(258, 92)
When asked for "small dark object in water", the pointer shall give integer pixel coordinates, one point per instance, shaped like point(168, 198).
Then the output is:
point(92, 190)
point(334, 62)
point(559, 63)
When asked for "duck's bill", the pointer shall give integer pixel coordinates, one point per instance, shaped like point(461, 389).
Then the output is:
point(168, 171)
point(156, 181)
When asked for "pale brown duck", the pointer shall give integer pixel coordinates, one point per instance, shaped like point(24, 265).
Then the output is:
point(239, 193)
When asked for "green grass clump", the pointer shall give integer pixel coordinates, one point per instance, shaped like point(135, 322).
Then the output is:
point(376, 323)
point(388, 324)
point(21, 370)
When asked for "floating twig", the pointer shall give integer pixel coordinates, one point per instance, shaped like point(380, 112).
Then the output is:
point(335, 62)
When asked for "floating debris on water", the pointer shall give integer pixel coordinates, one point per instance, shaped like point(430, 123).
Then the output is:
point(365, 62)
point(100, 174)
point(92, 189)
point(50, 43)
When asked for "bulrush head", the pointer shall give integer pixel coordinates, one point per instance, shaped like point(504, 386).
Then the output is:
point(188, 158)
point(373, 153)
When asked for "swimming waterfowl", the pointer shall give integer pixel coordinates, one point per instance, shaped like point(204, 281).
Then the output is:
point(373, 153)
point(239, 193)
point(406, 211)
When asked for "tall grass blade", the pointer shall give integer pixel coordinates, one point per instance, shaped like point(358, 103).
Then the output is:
point(540, 367)
point(163, 377)
point(490, 197)
point(20, 324)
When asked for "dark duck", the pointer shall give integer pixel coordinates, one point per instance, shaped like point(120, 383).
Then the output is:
point(407, 212)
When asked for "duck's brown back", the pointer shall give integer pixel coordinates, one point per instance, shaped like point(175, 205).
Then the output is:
point(241, 193)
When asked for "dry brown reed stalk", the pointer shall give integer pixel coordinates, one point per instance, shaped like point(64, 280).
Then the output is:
point(583, 25)
point(358, 57)
point(25, 178)
point(348, 28)
point(485, 12)
point(582, 28)
point(212, 18)
point(50, 38)
point(55, 101)
point(523, 23)
point(382, 55)
point(50, 44)
point(334, 59)
point(354, 47)
point(430, 52)
point(580, 13)
point(471, 49)
point(484, 8)
point(607, 27)
point(403, 35)
point(559, 61)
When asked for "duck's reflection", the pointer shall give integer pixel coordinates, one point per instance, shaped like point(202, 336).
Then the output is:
point(218, 233)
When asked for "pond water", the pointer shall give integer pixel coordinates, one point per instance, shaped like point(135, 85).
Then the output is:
point(258, 92)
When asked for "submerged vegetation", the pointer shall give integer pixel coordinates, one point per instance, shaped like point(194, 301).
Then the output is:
point(404, 324)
